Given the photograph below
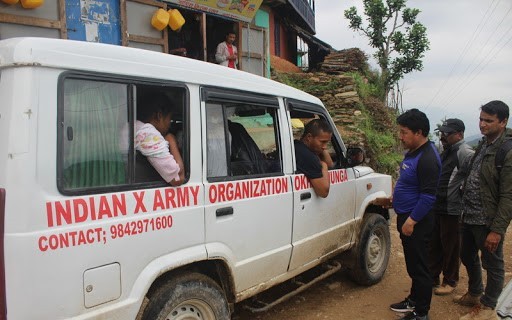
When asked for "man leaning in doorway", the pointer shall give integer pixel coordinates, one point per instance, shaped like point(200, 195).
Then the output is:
point(313, 158)
point(227, 54)
point(445, 239)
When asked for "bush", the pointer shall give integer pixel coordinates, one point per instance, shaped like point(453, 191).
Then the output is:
point(369, 85)
point(381, 147)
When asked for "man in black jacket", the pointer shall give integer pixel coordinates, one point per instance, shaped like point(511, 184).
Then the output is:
point(445, 240)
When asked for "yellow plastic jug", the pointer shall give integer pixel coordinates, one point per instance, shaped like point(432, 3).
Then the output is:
point(160, 19)
point(31, 4)
point(176, 20)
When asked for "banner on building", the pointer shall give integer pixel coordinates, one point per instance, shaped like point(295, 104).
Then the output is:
point(243, 10)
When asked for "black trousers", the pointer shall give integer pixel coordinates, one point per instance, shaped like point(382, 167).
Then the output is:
point(416, 247)
point(445, 249)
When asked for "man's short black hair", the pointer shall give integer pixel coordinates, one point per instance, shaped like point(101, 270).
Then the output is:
point(415, 120)
point(315, 126)
point(230, 32)
point(498, 108)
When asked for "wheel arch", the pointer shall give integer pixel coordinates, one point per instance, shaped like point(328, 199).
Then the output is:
point(371, 209)
point(215, 269)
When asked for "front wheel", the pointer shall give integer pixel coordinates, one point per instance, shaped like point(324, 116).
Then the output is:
point(188, 296)
point(372, 250)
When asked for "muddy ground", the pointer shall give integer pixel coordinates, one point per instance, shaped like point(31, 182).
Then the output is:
point(337, 297)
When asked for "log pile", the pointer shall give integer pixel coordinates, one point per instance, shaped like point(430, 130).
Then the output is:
point(346, 60)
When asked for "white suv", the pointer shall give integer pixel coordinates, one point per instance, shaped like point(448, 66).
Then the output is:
point(89, 232)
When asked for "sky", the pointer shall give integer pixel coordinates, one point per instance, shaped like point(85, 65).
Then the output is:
point(469, 62)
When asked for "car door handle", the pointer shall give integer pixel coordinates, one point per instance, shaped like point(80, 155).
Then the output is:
point(305, 196)
point(224, 211)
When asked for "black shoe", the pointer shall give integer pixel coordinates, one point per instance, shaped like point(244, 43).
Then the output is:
point(403, 306)
point(414, 316)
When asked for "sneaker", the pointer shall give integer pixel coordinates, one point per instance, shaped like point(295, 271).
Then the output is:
point(444, 290)
point(414, 316)
point(467, 300)
point(403, 306)
point(480, 312)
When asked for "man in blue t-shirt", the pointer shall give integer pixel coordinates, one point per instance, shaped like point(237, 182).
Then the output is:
point(413, 198)
point(312, 157)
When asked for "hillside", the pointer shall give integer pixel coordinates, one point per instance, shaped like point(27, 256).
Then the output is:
point(361, 118)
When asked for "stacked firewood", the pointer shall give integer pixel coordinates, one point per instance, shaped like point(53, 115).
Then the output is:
point(346, 60)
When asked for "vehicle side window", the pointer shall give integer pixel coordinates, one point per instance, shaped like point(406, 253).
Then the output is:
point(99, 120)
point(216, 141)
point(242, 140)
point(94, 114)
point(300, 118)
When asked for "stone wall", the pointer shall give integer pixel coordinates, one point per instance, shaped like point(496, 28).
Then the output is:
point(338, 94)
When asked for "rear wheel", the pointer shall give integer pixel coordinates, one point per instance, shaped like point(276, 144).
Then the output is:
point(371, 255)
point(188, 296)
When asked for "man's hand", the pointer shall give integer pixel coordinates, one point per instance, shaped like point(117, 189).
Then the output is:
point(492, 241)
point(326, 157)
point(408, 227)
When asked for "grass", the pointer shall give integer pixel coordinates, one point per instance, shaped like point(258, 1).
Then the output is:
point(382, 142)
point(305, 84)
point(382, 147)
point(368, 85)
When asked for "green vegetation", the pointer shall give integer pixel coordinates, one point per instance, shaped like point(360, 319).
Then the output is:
point(392, 28)
point(379, 125)
point(298, 81)
point(382, 146)
point(369, 85)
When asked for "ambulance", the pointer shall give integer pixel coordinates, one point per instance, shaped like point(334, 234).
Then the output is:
point(87, 232)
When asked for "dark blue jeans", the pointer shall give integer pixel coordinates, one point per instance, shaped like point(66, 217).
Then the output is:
point(416, 260)
point(473, 240)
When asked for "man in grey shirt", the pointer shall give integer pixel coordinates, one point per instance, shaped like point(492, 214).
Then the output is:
point(444, 250)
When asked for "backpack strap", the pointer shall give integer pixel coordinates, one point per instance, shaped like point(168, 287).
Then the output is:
point(499, 159)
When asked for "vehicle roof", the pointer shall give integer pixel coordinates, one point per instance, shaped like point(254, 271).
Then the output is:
point(119, 60)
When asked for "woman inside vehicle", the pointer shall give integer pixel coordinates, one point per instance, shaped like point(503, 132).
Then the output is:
point(153, 141)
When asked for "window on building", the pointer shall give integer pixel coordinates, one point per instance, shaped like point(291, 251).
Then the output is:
point(188, 41)
point(302, 54)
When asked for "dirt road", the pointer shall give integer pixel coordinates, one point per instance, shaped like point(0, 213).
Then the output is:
point(338, 298)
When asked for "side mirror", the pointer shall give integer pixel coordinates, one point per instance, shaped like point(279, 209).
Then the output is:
point(355, 156)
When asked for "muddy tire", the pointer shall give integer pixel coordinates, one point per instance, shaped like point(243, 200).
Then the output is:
point(188, 296)
point(371, 254)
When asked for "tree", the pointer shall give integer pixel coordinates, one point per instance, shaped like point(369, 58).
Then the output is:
point(408, 46)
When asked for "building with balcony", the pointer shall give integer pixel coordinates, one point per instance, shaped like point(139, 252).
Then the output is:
point(264, 28)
